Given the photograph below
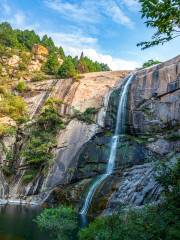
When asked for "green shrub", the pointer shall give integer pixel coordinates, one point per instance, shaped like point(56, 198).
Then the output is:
point(6, 171)
point(38, 76)
point(150, 63)
point(21, 86)
point(29, 176)
point(61, 222)
point(22, 66)
point(6, 130)
point(13, 106)
point(87, 116)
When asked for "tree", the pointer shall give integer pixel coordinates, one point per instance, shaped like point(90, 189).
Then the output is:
point(67, 69)
point(61, 53)
point(104, 67)
point(48, 43)
point(8, 37)
point(163, 15)
point(27, 38)
point(52, 64)
point(61, 222)
point(150, 63)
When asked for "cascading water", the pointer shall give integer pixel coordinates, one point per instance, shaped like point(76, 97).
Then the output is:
point(118, 135)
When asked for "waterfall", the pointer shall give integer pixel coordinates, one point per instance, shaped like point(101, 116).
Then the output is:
point(118, 135)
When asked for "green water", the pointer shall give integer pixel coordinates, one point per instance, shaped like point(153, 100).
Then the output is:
point(16, 223)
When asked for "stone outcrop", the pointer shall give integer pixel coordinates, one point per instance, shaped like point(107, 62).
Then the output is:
point(39, 50)
point(90, 91)
point(154, 99)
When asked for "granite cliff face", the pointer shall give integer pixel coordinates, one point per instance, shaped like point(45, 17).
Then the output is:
point(83, 149)
point(90, 91)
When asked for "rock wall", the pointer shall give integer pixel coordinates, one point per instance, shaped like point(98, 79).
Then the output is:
point(91, 91)
point(154, 99)
point(83, 149)
point(153, 123)
point(152, 135)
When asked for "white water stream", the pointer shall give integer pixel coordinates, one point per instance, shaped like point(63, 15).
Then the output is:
point(118, 134)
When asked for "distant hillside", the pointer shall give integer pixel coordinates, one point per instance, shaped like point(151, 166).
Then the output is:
point(25, 41)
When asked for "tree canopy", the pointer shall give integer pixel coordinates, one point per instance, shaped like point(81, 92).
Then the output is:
point(67, 69)
point(150, 63)
point(164, 16)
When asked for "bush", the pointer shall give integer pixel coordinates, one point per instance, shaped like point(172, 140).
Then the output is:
point(14, 107)
point(22, 66)
point(21, 86)
point(87, 116)
point(6, 130)
point(61, 222)
point(38, 76)
point(150, 63)
point(29, 176)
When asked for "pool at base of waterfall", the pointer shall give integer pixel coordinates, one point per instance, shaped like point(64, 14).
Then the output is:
point(17, 223)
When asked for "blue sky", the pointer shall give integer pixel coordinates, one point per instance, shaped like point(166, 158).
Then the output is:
point(105, 30)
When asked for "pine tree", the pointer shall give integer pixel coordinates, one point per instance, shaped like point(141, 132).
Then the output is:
point(67, 69)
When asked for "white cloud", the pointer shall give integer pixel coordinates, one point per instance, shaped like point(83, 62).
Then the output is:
point(91, 11)
point(75, 11)
point(113, 63)
point(132, 4)
point(72, 40)
point(113, 10)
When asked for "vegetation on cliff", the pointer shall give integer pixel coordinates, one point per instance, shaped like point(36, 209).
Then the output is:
point(150, 63)
point(41, 140)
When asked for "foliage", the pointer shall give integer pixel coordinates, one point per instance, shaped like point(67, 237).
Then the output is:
point(27, 38)
point(38, 76)
point(42, 139)
point(8, 37)
point(67, 69)
point(21, 86)
point(86, 116)
point(61, 53)
point(61, 222)
point(48, 43)
point(163, 15)
point(5, 129)
point(150, 63)
point(29, 176)
point(153, 222)
point(52, 64)
point(84, 64)
point(13, 106)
